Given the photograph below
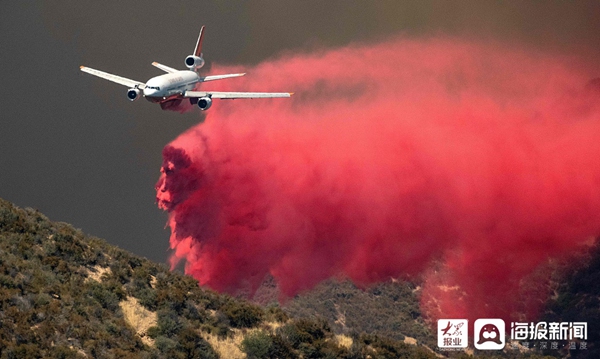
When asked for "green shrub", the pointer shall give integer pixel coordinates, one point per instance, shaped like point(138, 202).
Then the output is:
point(62, 352)
point(305, 331)
point(164, 344)
point(257, 345)
point(388, 348)
point(241, 314)
point(280, 348)
point(168, 323)
point(106, 298)
point(147, 297)
point(275, 313)
point(193, 345)
point(153, 332)
point(120, 271)
point(222, 331)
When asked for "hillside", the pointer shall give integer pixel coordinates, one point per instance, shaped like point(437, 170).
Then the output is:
point(66, 295)
point(391, 309)
point(578, 299)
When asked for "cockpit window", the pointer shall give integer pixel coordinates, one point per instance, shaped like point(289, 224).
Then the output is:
point(153, 88)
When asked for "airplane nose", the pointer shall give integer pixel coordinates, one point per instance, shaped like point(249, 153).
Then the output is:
point(149, 92)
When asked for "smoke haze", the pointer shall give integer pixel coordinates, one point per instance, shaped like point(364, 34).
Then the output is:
point(482, 158)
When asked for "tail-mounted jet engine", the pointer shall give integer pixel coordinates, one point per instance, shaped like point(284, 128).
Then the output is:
point(204, 103)
point(133, 94)
point(194, 62)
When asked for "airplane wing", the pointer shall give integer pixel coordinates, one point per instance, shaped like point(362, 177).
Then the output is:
point(234, 95)
point(164, 67)
point(219, 77)
point(114, 78)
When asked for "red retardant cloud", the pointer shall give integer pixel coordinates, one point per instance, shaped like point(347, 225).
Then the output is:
point(469, 164)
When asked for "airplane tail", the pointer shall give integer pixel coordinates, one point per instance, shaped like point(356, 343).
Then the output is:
point(195, 61)
point(198, 49)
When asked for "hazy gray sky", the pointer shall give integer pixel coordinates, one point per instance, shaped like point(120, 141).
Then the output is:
point(74, 147)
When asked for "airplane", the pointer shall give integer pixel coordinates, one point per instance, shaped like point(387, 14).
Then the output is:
point(170, 89)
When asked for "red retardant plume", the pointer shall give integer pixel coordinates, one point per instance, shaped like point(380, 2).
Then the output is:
point(471, 165)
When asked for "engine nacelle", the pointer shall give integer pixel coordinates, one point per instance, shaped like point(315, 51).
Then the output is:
point(204, 103)
point(133, 94)
point(194, 62)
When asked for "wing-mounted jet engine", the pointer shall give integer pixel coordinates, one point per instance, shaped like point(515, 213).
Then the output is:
point(204, 103)
point(133, 94)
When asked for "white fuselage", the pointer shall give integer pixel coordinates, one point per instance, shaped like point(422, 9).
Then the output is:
point(169, 86)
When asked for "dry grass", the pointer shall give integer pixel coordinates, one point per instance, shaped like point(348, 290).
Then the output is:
point(343, 341)
point(340, 317)
point(97, 272)
point(139, 318)
point(409, 340)
point(228, 347)
point(272, 326)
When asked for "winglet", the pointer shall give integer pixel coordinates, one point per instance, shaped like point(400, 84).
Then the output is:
point(198, 49)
